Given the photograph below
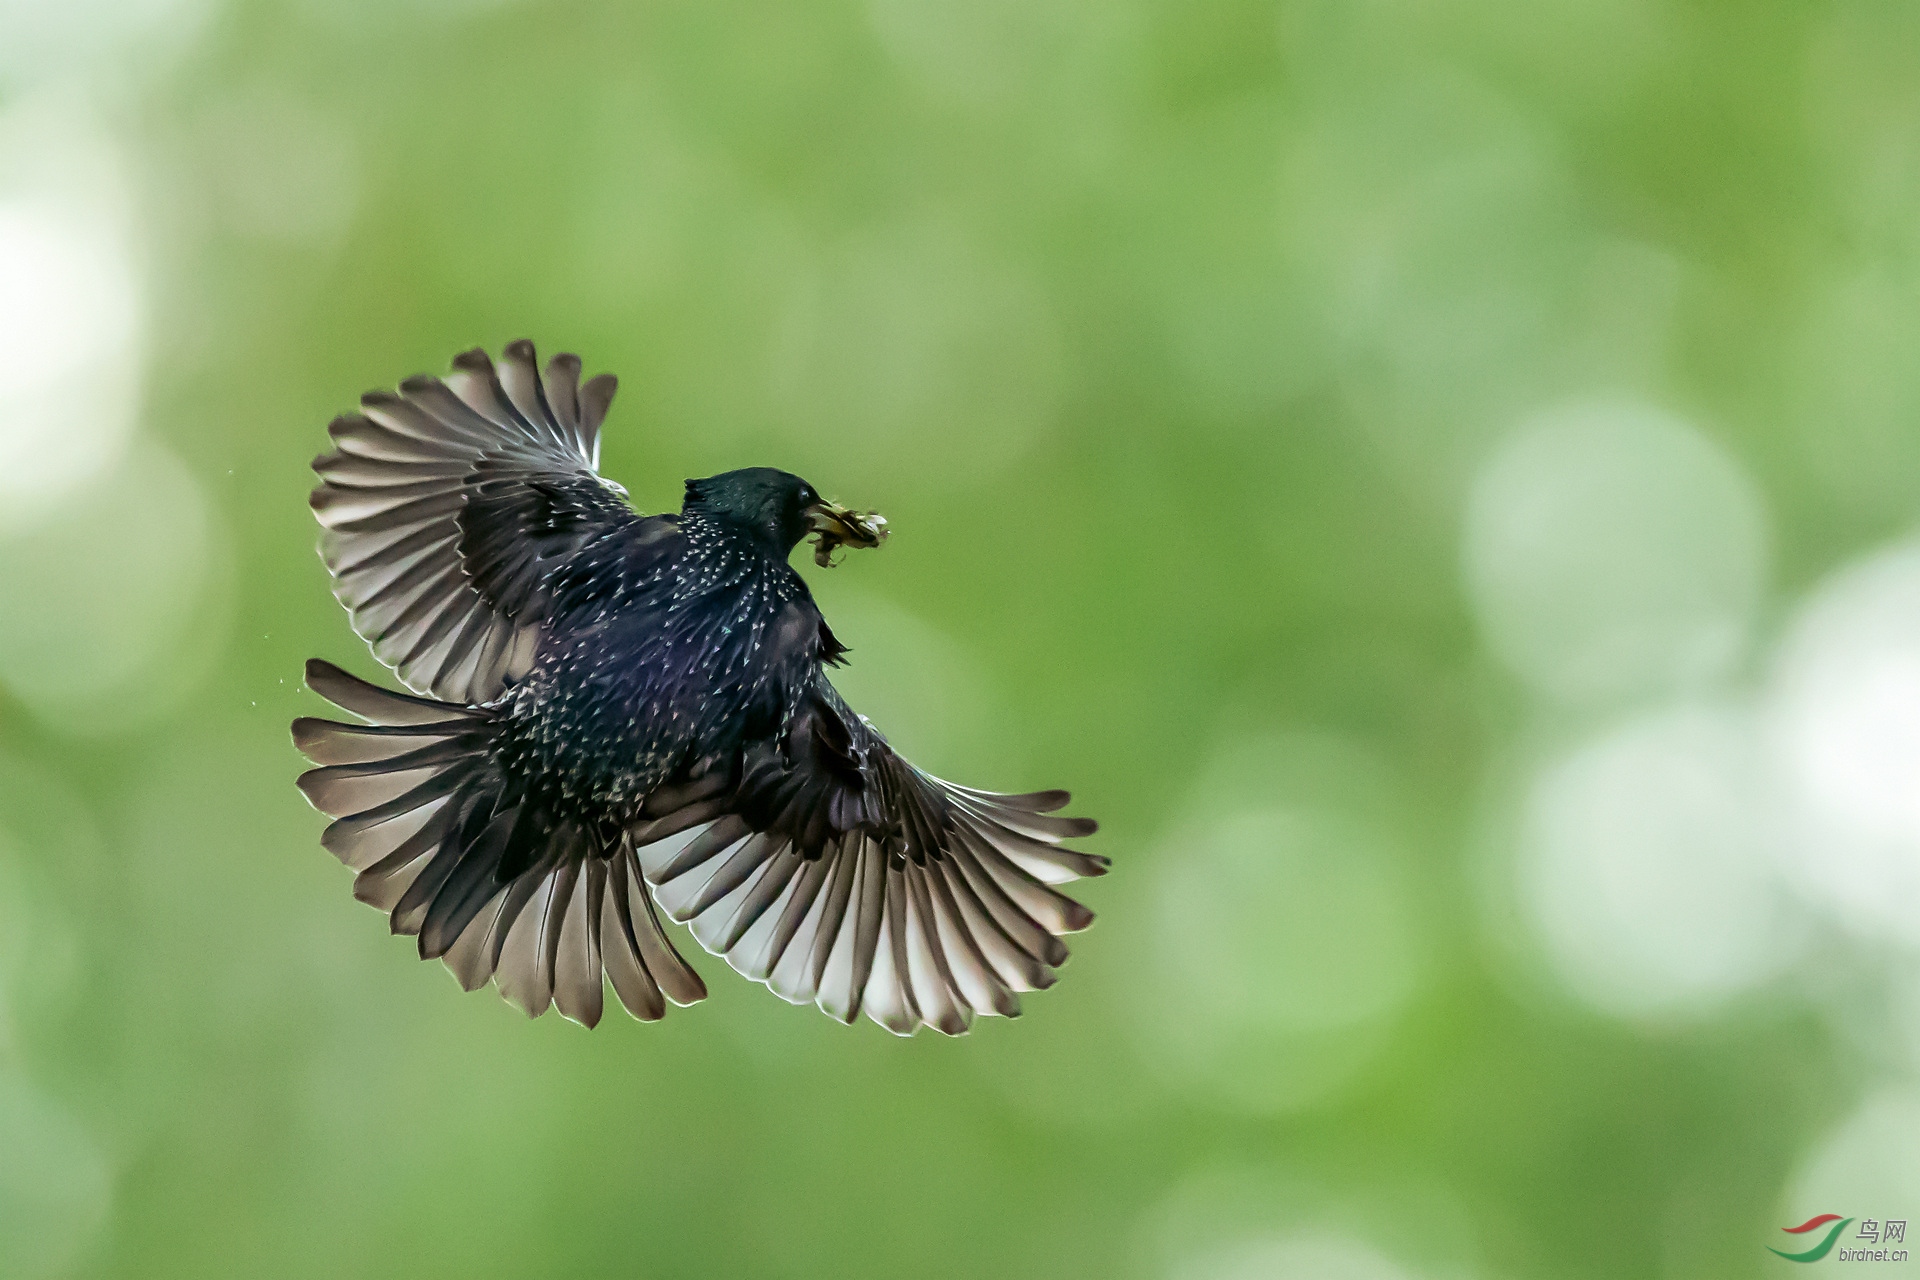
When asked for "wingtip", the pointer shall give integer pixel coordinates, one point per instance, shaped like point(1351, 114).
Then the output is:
point(469, 981)
point(475, 360)
point(520, 1002)
point(588, 1018)
point(309, 783)
point(596, 395)
point(695, 991)
point(306, 731)
point(335, 841)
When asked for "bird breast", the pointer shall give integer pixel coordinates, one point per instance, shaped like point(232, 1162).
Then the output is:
point(654, 685)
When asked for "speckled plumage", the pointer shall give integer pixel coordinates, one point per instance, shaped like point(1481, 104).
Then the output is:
point(671, 644)
point(616, 701)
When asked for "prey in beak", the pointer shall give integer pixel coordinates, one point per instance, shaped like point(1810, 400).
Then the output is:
point(835, 526)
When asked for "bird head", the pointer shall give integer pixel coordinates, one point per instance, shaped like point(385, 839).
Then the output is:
point(778, 509)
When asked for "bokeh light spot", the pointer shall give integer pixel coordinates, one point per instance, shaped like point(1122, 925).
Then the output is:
point(1647, 865)
point(1845, 723)
point(125, 39)
point(1284, 932)
point(99, 598)
point(1613, 551)
point(69, 310)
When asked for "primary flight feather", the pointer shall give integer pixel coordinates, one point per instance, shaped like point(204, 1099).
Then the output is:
point(613, 710)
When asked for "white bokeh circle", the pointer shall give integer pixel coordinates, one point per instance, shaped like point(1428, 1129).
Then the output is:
point(1614, 552)
point(1647, 865)
point(1844, 726)
point(70, 299)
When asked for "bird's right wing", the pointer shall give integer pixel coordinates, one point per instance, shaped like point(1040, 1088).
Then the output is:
point(447, 505)
point(839, 874)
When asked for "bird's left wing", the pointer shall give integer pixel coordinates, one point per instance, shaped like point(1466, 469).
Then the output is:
point(839, 874)
point(446, 506)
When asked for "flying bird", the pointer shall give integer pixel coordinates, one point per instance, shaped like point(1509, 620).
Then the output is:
point(612, 710)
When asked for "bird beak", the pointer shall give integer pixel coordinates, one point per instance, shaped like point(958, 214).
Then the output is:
point(837, 526)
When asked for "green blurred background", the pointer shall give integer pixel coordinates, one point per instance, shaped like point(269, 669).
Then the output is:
point(1436, 480)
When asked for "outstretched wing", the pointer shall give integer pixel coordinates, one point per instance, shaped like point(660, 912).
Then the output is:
point(446, 506)
point(842, 875)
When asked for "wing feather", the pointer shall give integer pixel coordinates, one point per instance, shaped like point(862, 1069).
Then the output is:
point(845, 877)
point(446, 505)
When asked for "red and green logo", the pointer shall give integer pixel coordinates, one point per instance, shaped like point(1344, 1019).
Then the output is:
point(1825, 1246)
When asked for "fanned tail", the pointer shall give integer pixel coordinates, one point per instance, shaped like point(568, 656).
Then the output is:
point(488, 882)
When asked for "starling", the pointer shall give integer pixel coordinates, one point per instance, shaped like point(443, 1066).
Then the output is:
point(612, 710)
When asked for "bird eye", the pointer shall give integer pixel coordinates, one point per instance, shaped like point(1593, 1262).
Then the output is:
point(806, 494)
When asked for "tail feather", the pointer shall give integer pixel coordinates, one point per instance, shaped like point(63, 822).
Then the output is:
point(382, 884)
point(577, 989)
point(325, 742)
point(469, 888)
point(491, 885)
point(470, 958)
point(381, 706)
